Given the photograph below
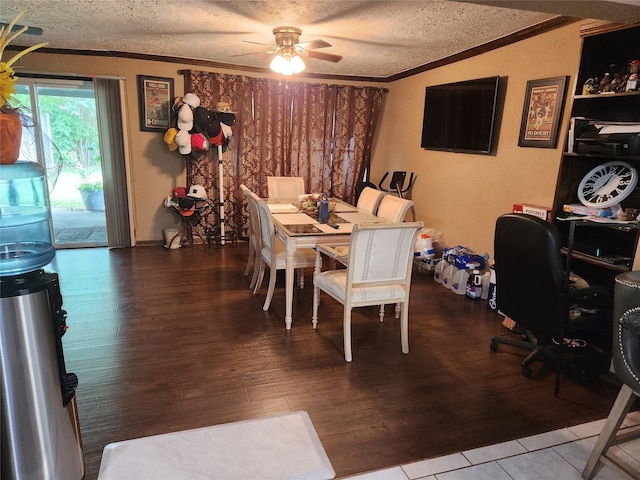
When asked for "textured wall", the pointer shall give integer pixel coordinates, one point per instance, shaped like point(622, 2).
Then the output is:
point(461, 195)
point(154, 171)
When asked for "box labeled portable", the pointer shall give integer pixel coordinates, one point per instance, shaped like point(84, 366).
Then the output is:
point(537, 210)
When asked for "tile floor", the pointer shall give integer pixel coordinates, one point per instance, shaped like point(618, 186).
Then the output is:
point(79, 227)
point(557, 455)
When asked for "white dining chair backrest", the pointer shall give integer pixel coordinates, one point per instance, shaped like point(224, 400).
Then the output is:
point(254, 216)
point(273, 253)
point(255, 234)
point(369, 199)
point(393, 208)
point(253, 208)
point(245, 191)
point(378, 271)
point(288, 188)
point(380, 254)
point(267, 230)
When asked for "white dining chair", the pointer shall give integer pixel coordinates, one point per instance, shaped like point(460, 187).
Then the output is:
point(255, 242)
point(378, 271)
point(286, 188)
point(369, 199)
point(273, 254)
point(393, 208)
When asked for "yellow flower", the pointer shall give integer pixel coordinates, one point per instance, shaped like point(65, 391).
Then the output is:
point(7, 82)
point(7, 75)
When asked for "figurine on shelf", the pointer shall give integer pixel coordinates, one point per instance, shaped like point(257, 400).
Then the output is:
point(589, 87)
point(617, 84)
point(632, 81)
point(605, 83)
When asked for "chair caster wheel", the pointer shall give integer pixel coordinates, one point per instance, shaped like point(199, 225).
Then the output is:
point(494, 346)
point(526, 372)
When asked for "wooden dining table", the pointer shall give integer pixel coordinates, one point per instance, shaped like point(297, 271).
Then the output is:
point(297, 229)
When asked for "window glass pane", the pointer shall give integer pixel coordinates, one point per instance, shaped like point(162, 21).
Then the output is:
point(61, 133)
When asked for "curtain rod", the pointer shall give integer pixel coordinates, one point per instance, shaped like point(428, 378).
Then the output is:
point(68, 76)
point(182, 72)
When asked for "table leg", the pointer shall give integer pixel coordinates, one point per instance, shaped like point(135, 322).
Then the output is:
point(289, 277)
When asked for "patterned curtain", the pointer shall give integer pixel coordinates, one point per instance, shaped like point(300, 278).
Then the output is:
point(320, 132)
point(356, 118)
point(312, 135)
point(212, 88)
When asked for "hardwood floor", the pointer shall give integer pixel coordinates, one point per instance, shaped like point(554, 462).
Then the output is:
point(170, 340)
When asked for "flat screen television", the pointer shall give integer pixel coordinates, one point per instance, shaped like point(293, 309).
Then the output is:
point(461, 116)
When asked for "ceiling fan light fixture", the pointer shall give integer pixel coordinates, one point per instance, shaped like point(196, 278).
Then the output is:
point(287, 64)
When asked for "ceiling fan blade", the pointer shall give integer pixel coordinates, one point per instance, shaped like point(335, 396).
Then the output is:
point(247, 54)
point(385, 44)
point(329, 57)
point(313, 44)
point(28, 31)
point(258, 43)
point(271, 50)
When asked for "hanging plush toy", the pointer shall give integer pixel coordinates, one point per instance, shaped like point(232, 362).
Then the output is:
point(180, 138)
point(196, 128)
point(170, 139)
point(185, 118)
point(199, 137)
point(227, 121)
point(183, 140)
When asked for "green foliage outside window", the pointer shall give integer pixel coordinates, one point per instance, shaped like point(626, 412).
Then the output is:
point(72, 123)
point(90, 187)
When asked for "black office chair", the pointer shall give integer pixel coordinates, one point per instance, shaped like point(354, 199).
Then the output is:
point(532, 289)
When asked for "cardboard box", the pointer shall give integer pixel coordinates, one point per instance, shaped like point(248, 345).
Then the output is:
point(537, 210)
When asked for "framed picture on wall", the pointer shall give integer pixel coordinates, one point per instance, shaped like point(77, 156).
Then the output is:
point(155, 95)
point(542, 112)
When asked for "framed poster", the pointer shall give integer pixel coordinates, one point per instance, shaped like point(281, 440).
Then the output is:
point(155, 95)
point(542, 112)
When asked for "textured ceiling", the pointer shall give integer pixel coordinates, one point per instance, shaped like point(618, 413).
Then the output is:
point(376, 38)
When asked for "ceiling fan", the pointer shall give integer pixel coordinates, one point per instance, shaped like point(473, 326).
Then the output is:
point(288, 48)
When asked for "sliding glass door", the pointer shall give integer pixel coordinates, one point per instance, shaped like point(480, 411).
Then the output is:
point(61, 133)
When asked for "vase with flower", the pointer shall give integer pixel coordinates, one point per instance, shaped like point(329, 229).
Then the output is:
point(10, 124)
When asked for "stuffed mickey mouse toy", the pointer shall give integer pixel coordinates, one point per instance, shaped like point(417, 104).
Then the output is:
point(197, 128)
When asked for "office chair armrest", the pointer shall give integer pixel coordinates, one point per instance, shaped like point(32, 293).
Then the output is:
point(631, 321)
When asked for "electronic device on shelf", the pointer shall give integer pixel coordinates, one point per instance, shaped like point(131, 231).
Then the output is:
point(612, 259)
point(606, 138)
